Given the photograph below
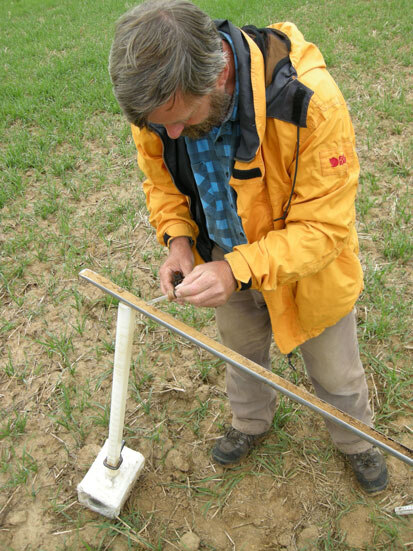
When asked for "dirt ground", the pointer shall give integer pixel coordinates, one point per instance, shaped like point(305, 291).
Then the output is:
point(293, 492)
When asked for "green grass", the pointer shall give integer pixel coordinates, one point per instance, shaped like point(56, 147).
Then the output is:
point(70, 198)
point(13, 426)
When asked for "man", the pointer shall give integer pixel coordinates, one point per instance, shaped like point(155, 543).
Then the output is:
point(251, 169)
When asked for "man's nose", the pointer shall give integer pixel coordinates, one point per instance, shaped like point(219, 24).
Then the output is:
point(174, 130)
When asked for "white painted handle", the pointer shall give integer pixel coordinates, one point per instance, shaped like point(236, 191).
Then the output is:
point(123, 353)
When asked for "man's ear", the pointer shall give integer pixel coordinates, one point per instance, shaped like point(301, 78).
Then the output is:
point(223, 76)
point(226, 75)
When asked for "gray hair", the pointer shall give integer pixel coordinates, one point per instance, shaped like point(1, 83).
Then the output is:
point(162, 47)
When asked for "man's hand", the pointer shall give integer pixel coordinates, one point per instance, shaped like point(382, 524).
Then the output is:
point(209, 284)
point(180, 259)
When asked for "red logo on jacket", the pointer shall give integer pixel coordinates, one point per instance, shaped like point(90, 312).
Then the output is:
point(341, 160)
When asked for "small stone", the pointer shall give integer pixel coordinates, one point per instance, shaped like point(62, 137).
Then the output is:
point(189, 542)
point(308, 537)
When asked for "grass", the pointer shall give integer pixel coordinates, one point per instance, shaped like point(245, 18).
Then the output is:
point(70, 198)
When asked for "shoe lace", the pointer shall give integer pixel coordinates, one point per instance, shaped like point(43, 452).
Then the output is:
point(235, 436)
point(366, 459)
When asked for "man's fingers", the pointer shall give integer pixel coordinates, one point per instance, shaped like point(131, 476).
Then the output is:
point(180, 259)
point(209, 284)
point(194, 283)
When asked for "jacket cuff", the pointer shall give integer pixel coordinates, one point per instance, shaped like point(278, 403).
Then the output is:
point(178, 230)
point(244, 286)
point(240, 270)
point(168, 239)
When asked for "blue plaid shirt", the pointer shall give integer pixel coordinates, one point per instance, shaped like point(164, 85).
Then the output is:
point(212, 159)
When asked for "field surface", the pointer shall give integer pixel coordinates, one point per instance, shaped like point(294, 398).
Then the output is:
point(71, 198)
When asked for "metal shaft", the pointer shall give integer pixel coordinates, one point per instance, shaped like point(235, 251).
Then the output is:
point(285, 387)
point(158, 299)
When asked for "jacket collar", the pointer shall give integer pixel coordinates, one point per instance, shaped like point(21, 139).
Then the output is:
point(252, 104)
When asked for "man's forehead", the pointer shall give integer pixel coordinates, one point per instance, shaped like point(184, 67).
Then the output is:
point(177, 109)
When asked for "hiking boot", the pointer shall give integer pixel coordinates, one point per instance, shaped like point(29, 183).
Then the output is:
point(234, 446)
point(370, 470)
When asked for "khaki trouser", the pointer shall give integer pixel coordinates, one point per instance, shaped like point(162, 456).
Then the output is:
point(332, 361)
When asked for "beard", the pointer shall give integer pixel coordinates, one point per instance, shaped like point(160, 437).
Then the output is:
point(218, 110)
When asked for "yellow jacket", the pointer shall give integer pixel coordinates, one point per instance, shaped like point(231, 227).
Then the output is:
point(302, 245)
